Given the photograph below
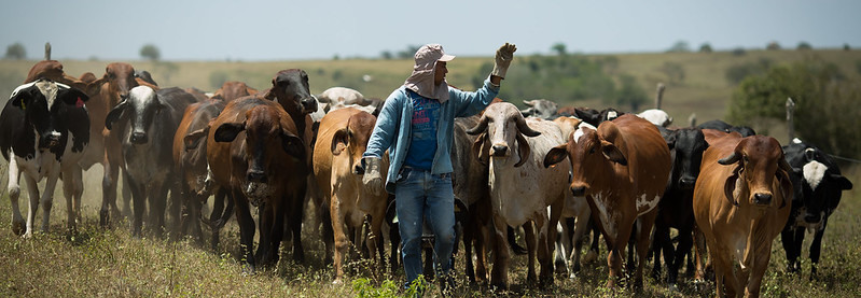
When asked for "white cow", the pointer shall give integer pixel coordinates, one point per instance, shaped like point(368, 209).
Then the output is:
point(521, 188)
point(657, 117)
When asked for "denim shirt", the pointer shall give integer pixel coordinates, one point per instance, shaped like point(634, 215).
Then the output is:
point(392, 130)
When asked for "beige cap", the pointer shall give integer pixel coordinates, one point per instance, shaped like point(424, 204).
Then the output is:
point(430, 53)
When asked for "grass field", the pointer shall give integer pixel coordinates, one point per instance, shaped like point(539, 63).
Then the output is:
point(109, 263)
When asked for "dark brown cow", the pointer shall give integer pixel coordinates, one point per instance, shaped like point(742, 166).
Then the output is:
point(342, 139)
point(231, 90)
point(256, 155)
point(189, 153)
point(742, 200)
point(621, 168)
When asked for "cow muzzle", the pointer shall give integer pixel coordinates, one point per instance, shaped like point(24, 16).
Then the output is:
point(579, 190)
point(139, 137)
point(309, 104)
point(812, 218)
point(762, 199)
point(256, 176)
point(687, 182)
point(499, 150)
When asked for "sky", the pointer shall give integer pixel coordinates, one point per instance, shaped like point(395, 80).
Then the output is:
point(250, 30)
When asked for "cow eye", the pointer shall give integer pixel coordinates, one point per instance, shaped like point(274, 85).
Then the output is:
point(592, 150)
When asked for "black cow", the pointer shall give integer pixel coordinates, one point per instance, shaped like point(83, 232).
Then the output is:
point(45, 131)
point(745, 131)
point(818, 187)
point(595, 117)
point(147, 122)
point(676, 207)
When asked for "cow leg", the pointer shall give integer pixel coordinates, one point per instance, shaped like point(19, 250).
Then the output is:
point(375, 246)
point(33, 190)
point(158, 206)
point(127, 196)
point(468, 235)
point(592, 254)
point(643, 241)
point(296, 215)
point(580, 229)
point(547, 238)
point(561, 256)
point(760, 264)
point(220, 215)
point(47, 199)
point(531, 249)
point(815, 248)
point(246, 227)
point(274, 224)
point(499, 274)
point(327, 232)
point(340, 237)
point(660, 242)
point(789, 237)
point(109, 190)
point(14, 187)
point(616, 247)
point(684, 247)
point(139, 199)
point(73, 188)
point(700, 251)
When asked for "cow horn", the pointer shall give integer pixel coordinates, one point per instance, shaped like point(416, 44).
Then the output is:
point(732, 158)
point(523, 128)
point(480, 127)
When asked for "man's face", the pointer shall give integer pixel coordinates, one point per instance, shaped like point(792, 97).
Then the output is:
point(439, 72)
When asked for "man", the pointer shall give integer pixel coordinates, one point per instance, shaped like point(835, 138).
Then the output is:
point(416, 126)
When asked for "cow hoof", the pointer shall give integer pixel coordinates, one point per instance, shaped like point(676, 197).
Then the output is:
point(591, 256)
point(337, 281)
point(672, 288)
point(18, 227)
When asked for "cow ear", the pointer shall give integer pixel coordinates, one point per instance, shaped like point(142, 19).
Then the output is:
point(293, 145)
point(729, 187)
point(842, 182)
point(73, 96)
point(786, 190)
point(524, 150)
point(480, 149)
point(556, 155)
point(671, 140)
point(192, 139)
point(612, 153)
point(115, 114)
point(227, 132)
point(340, 141)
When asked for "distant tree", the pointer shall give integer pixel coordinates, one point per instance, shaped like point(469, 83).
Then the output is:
point(680, 46)
point(773, 46)
point(828, 99)
point(739, 52)
point(804, 46)
point(386, 55)
point(150, 52)
point(858, 67)
point(16, 51)
point(410, 52)
point(675, 72)
point(846, 47)
point(336, 57)
point(737, 73)
point(559, 48)
point(705, 48)
point(630, 93)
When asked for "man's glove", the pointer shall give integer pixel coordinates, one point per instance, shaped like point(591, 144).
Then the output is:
point(504, 55)
point(371, 178)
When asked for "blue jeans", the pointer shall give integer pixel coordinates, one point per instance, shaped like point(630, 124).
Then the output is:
point(421, 195)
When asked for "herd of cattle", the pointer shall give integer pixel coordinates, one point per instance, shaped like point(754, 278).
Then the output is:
point(557, 173)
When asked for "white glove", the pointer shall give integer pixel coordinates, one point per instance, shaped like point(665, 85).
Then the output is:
point(371, 178)
point(504, 55)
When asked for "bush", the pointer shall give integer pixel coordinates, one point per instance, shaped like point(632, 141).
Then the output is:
point(827, 113)
point(804, 46)
point(150, 52)
point(736, 73)
point(16, 51)
point(706, 48)
point(675, 72)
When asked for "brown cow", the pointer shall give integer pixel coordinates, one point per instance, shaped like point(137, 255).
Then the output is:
point(742, 200)
point(231, 90)
point(255, 154)
point(189, 154)
point(622, 169)
point(341, 141)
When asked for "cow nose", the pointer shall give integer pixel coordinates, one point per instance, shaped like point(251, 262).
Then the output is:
point(139, 137)
point(358, 169)
point(309, 104)
point(812, 217)
point(687, 182)
point(499, 150)
point(256, 176)
point(761, 198)
point(578, 191)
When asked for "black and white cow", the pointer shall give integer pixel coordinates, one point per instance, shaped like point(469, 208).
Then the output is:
point(147, 122)
point(818, 187)
point(45, 131)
